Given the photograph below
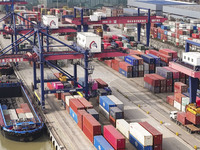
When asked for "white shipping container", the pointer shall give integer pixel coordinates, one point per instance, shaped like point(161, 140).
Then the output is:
point(185, 101)
point(140, 67)
point(29, 115)
point(51, 21)
point(13, 114)
point(141, 134)
point(67, 99)
point(89, 40)
point(119, 104)
point(100, 14)
point(94, 18)
point(77, 96)
point(104, 112)
point(183, 108)
point(177, 105)
point(21, 116)
point(123, 126)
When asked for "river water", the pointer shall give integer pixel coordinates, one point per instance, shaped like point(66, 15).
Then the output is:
point(42, 143)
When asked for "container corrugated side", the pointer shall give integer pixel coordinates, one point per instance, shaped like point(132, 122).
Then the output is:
point(123, 126)
point(141, 134)
point(137, 144)
point(100, 143)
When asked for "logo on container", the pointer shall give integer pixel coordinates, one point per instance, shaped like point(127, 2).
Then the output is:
point(93, 44)
point(136, 144)
point(52, 23)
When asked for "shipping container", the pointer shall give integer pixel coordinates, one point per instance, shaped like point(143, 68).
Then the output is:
point(115, 138)
point(148, 59)
point(104, 112)
point(156, 59)
point(177, 105)
point(89, 40)
point(150, 79)
point(164, 72)
point(106, 103)
point(175, 73)
point(170, 100)
point(51, 21)
point(85, 103)
point(137, 144)
point(116, 113)
point(101, 83)
point(131, 60)
point(75, 105)
point(180, 87)
point(141, 134)
point(157, 136)
point(123, 126)
point(92, 124)
point(67, 99)
point(140, 60)
point(119, 104)
point(94, 113)
point(181, 117)
point(100, 143)
point(125, 73)
point(80, 118)
point(195, 119)
point(125, 66)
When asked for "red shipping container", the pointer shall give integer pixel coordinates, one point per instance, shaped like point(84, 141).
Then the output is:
point(162, 79)
point(58, 95)
point(120, 44)
point(140, 60)
point(92, 124)
point(89, 134)
point(101, 83)
point(113, 136)
point(75, 104)
point(108, 63)
point(135, 52)
point(49, 85)
point(150, 79)
point(162, 56)
point(181, 117)
point(25, 107)
point(176, 74)
point(178, 97)
point(157, 136)
point(195, 35)
point(115, 64)
point(180, 87)
point(80, 118)
point(85, 103)
point(157, 147)
point(114, 37)
point(193, 118)
point(125, 66)
point(19, 110)
point(170, 100)
point(169, 52)
point(63, 96)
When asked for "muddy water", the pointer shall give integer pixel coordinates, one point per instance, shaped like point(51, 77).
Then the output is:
point(42, 143)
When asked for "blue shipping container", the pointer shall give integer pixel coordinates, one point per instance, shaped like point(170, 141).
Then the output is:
point(131, 60)
point(100, 143)
point(106, 103)
point(165, 32)
point(137, 144)
point(73, 115)
point(148, 59)
point(156, 58)
point(126, 74)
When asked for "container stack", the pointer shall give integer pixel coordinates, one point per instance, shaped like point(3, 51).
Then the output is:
point(180, 99)
point(150, 63)
point(167, 75)
point(155, 83)
point(112, 108)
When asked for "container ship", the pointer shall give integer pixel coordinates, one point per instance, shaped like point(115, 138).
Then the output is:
point(18, 118)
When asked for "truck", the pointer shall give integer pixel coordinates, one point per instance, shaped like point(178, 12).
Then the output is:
point(180, 119)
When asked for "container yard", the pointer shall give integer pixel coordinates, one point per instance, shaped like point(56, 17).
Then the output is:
point(112, 77)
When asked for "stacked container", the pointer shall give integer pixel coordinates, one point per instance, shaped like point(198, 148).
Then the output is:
point(150, 63)
point(125, 69)
point(140, 137)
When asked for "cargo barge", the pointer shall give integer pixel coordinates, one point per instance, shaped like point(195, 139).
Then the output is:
point(18, 118)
